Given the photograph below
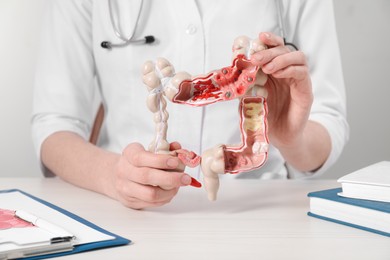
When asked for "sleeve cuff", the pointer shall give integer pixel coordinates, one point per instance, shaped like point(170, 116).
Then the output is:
point(339, 134)
point(45, 125)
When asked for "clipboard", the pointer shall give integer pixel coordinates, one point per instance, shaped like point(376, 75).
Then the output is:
point(112, 241)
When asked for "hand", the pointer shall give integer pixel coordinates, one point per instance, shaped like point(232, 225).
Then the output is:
point(143, 179)
point(289, 88)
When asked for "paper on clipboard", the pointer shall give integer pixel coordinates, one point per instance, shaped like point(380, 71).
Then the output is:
point(32, 240)
point(83, 233)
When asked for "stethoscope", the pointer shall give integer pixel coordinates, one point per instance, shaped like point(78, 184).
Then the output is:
point(282, 27)
point(149, 39)
point(125, 40)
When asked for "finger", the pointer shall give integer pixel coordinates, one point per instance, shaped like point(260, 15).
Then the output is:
point(136, 155)
point(174, 146)
point(271, 39)
point(132, 192)
point(265, 56)
point(295, 72)
point(164, 179)
point(135, 203)
point(283, 61)
point(139, 204)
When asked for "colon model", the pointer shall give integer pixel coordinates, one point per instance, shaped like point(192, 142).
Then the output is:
point(241, 80)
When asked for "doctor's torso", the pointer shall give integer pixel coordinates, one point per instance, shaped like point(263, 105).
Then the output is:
point(195, 36)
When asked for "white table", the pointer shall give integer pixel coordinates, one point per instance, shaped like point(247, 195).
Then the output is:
point(250, 220)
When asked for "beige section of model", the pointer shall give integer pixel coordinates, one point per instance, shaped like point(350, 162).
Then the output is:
point(161, 80)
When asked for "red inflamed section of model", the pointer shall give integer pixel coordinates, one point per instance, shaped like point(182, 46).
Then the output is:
point(220, 85)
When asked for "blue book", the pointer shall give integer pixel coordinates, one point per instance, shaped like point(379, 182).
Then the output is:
point(369, 215)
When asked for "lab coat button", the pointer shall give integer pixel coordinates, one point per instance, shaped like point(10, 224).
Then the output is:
point(191, 29)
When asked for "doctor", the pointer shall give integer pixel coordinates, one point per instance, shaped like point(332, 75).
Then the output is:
point(307, 112)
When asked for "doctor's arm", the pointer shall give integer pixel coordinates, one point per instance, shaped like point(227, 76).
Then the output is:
point(304, 144)
point(136, 178)
point(307, 102)
point(63, 113)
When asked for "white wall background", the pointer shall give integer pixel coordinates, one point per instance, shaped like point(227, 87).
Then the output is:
point(364, 36)
point(19, 24)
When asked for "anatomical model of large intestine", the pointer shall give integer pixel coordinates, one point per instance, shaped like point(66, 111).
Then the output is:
point(241, 80)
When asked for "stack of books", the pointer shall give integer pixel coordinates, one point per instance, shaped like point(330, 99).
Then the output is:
point(363, 201)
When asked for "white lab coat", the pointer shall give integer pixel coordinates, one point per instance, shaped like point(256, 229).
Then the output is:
point(195, 36)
